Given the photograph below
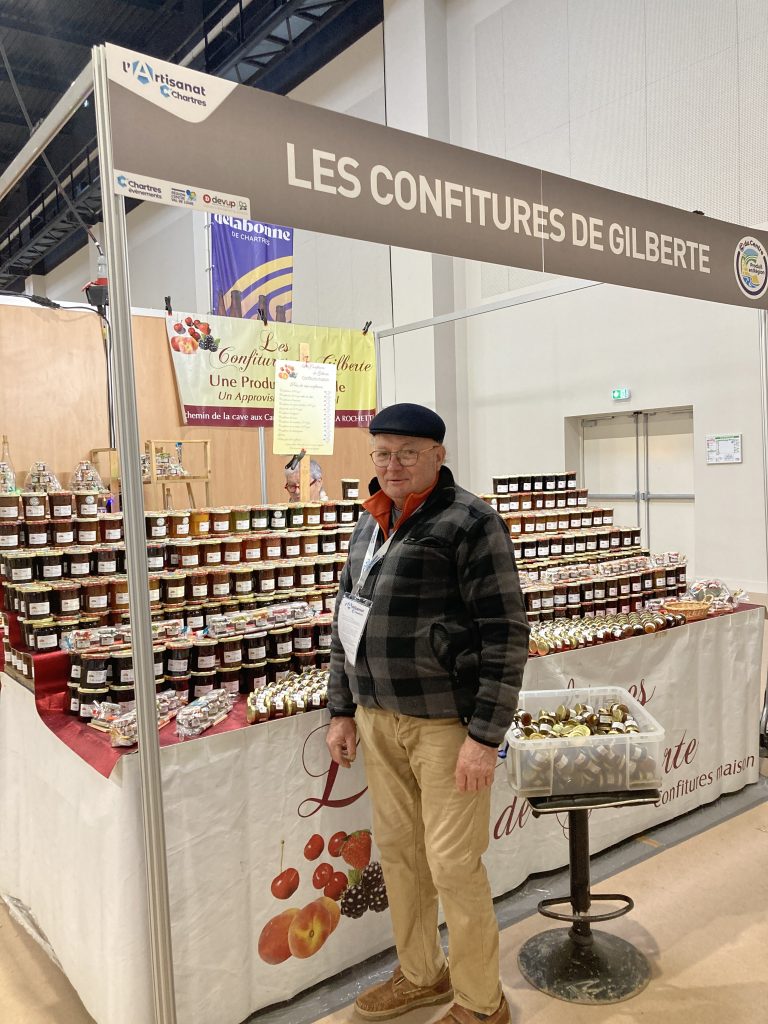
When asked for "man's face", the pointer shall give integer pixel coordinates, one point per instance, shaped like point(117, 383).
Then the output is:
point(292, 487)
point(398, 481)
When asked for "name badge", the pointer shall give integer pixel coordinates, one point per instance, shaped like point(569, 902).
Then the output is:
point(351, 622)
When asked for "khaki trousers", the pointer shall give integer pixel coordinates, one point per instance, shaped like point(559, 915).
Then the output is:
point(431, 839)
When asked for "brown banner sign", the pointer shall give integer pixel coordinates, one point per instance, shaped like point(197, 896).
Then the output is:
point(188, 139)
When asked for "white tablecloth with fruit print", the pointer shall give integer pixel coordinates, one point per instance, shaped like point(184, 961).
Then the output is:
point(256, 824)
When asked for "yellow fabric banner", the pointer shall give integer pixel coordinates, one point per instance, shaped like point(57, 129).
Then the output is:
point(225, 368)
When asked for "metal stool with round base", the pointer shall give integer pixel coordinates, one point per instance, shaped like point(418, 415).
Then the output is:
point(578, 964)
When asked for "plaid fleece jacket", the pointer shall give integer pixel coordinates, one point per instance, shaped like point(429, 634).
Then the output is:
point(447, 634)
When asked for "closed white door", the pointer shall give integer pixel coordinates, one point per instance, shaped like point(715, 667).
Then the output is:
point(641, 463)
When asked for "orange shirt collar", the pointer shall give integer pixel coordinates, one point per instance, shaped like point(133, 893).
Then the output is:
point(380, 507)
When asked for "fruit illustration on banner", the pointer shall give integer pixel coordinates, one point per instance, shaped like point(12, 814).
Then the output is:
point(322, 876)
point(193, 335)
point(356, 849)
point(273, 941)
point(336, 885)
point(309, 929)
point(335, 843)
point(302, 932)
point(285, 884)
point(315, 846)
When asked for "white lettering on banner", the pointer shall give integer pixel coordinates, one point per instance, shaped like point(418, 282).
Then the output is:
point(327, 172)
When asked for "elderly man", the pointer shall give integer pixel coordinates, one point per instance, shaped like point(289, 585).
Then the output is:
point(429, 644)
point(316, 492)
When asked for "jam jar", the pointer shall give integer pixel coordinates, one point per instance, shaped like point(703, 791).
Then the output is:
point(204, 655)
point(230, 651)
point(86, 504)
point(65, 597)
point(118, 593)
point(232, 550)
point(46, 635)
point(87, 697)
point(10, 506)
point(329, 542)
point(280, 642)
point(172, 588)
point(255, 646)
point(36, 534)
point(313, 513)
point(346, 512)
point(10, 533)
point(61, 504)
point(343, 537)
point(110, 528)
point(210, 552)
point(201, 683)
point(177, 658)
point(50, 564)
point(72, 699)
point(155, 556)
point(310, 543)
point(178, 523)
point(278, 517)
point(220, 582)
point(86, 530)
point(259, 517)
point(122, 668)
point(94, 595)
point(156, 525)
point(34, 506)
point(290, 545)
point(158, 657)
point(199, 522)
point(271, 547)
point(124, 695)
point(253, 677)
point(189, 553)
point(284, 576)
point(239, 519)
point(197, 586)
point(242, 580)
point(277, 669)
point(155, 589)
point(251, 548)
point(105, 560)
point(228, 679)
point(77, 562)
point(93, 668)
point(195, 617)
point(296, 514)
point(306, 576)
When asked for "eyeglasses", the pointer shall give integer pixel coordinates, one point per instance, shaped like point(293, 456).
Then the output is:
point(406, 456)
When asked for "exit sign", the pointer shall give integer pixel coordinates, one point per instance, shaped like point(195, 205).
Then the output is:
point(621, 394)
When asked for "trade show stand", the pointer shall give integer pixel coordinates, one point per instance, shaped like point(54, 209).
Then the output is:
point(241, 806)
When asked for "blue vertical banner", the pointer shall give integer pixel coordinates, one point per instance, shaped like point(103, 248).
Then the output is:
point(252, 268)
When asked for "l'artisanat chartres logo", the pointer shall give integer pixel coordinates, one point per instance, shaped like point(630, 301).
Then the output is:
point(168, 87)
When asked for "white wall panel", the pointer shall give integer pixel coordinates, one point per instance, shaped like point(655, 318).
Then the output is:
point(535, 69)
point(489, 64)
point(682, 32)
point(608, 145)
point(605, 60)
point(693, 137)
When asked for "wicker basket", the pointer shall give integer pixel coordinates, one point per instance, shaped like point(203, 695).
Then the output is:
point(692, 610)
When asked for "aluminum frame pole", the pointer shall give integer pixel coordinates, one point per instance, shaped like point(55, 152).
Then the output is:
point(377, 368)
point(263, 465)
point(115, 233)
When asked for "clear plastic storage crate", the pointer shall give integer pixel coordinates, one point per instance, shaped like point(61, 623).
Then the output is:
point(585, 764)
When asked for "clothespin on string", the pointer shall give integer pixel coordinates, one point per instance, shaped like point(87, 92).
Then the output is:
point(168, 307)
point(366, 326)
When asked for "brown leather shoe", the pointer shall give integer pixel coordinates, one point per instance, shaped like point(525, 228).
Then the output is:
point(461, 1015)
point(397, 995)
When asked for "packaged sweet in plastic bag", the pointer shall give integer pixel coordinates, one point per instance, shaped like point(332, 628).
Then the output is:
point(86, 477)
point(717, 593)
point(203, 713)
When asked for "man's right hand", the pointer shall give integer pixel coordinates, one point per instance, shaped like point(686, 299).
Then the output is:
point(342, 740)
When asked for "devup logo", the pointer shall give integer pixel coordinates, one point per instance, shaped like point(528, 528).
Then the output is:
point(317, 763)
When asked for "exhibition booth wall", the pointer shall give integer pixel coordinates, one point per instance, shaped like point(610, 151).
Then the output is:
point(55, 385)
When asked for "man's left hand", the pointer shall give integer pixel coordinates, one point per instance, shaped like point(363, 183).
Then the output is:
point(475, 766)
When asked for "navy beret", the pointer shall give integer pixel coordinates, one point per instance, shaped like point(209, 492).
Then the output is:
point(409, 419)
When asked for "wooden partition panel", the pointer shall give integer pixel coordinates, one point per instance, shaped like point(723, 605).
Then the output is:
point(53, 406)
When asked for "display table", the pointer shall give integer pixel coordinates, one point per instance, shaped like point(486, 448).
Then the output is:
point(240, 807)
